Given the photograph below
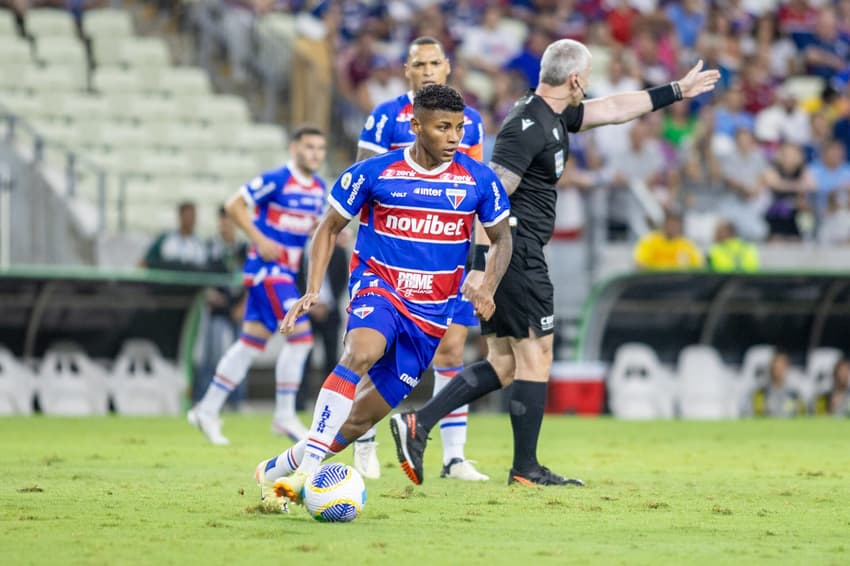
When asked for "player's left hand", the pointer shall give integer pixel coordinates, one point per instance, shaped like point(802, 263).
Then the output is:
point(481, 298)
point(698, 81)
point(301, 307)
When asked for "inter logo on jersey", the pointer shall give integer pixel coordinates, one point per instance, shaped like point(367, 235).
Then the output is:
point(456, 196)
point(363, 312)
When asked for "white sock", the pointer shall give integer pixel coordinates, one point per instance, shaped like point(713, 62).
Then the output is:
point(453, 425)
point(230, 372)
point(369, 435)
point(286, 463)
point(333, 406)
point(289, 370)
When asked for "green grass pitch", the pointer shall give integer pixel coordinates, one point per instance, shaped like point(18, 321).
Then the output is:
point(152, 491)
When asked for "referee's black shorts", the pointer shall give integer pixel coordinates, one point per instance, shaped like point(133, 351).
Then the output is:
point(525, 297)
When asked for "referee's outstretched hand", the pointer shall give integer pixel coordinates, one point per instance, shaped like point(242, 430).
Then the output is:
point(698, 81)
point(301, 307)
point(480, 297)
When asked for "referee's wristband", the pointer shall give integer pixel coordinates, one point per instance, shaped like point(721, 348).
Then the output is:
point(665, 95)
point(479, 257)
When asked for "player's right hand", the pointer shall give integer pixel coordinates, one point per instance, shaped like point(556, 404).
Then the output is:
point(268, 249)
point(480, 297)
point(301, 307)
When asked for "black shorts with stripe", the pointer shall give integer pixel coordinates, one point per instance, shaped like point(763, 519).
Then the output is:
point(525, 296)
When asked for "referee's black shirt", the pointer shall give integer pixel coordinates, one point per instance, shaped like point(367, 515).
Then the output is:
point(533, 144)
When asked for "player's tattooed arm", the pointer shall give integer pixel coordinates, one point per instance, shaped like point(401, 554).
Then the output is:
point(509, 179)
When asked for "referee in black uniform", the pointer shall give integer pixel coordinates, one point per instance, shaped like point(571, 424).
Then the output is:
point(529, 157)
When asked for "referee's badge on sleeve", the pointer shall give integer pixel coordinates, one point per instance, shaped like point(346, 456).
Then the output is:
point(559, 162)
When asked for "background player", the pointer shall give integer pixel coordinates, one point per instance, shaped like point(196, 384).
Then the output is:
point(388, 128)
point(287, 204)
point(529, 157)
point(408, 263)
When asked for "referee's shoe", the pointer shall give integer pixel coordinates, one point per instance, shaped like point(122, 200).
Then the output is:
point(410, 440)
point(541, 475)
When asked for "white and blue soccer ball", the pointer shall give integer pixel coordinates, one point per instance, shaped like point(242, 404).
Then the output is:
point(335, 494)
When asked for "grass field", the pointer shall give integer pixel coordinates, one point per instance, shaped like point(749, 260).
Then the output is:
point(151, 491)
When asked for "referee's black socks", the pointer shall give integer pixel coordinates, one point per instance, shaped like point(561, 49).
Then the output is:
point(528, 400)
point(474, 382)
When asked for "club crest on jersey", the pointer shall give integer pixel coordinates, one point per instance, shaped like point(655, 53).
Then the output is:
point(363, 312)
point(456, 196)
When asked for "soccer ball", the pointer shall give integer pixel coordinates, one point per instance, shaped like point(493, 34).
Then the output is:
point(335, 494)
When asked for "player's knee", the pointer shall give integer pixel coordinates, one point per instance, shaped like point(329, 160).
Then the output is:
point(449, 354)
point(358, 361)
point(504, 366)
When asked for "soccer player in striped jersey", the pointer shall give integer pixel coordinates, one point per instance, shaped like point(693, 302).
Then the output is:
point(386, 129)
point(287, 205)
point(417, 209)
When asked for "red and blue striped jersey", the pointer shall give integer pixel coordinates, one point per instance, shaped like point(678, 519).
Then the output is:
point(388, 128)
point(415, 227)
point(287, 206)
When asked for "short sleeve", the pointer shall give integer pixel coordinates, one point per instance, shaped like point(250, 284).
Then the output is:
point(517, 144)
point(351, 191)
point(493, 206)
point(375, 134)
point(473, 137)
point(573, 117)
point(261, 189)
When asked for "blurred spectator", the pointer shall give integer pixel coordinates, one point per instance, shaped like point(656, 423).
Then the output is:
point(832, 175)
point(678, 125)
point(826, 52)
point(743, 172)
point(839, 397)
point(729, 253)
point(667, 249)
point(790, 183)
point(224, 309)
point(621, 21)
point(613, 139)
point(777, 399)
point(527, 63)
point(178, 249)
point(490, 46)
point(688, 18)
point(641, 161)
point(237, 24)
point(834, 228)
point(797, 20)
point(784, 121)
point(774, 46)
point(311, 84)
point(821, 134)
point(756, 84)
point(649, 50)
point(731, 115)
point(383, 84)
point(841, 131)
point(354, 65)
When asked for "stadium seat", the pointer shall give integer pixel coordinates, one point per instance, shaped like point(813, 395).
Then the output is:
point(480, 85)
point(83, 108)
point(805, 86)
point(17, 385)
point(109, 81)
point(50, 22)
point(106, 22)
point(185, 83)
point(264, 141)
point(54, 82)
point(638, 386)
point(70, 383)
point(705, 388)
point(817, 379)
point(220, 112)
point(224, 166)
point(62, 51)
point(143, 382)
point(753, 375)
point(16, 51)
point(8, 27)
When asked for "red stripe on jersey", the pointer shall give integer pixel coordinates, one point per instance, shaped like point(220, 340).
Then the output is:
point(419, 286)
point(288, 220)
point(428, 327)
point(424, 225)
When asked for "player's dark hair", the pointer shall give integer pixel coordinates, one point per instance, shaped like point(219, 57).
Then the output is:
point(426, 40)
point(438, 97)
point(183, 205)
point(306, 131)
point(222, 211)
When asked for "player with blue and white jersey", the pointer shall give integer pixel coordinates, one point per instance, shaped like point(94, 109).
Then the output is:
point(417, 209)
point(388, 128)
point(287, 204)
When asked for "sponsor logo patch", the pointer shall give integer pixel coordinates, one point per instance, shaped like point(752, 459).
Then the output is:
point(345, 181)
point(370, 122)
point(355, 188)
point(526, 123)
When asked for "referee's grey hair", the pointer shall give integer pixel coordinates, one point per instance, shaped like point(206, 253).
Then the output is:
point(561, 59)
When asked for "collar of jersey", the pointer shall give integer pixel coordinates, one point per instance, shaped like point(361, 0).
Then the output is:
point(419, 169)
point(410, 96)
point(293, 170)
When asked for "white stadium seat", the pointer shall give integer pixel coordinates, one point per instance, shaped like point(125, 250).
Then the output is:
point(8, 28)
point(17, 385)
point(70, 383)
point(145, 383)
point(62, 51)
point(106, 22)
point(820, 364)
point(50, 22)
point(705, 386)
point(753, 375)
point(188, 82)
point(109, 81)
point(639, 387)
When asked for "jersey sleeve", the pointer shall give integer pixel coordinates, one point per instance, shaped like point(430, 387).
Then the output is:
point(573, 117)
point(375, 134)
point(260, 190)
point(351, 191)
point(517, 144)
point(473, 138)
point(493, 204)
